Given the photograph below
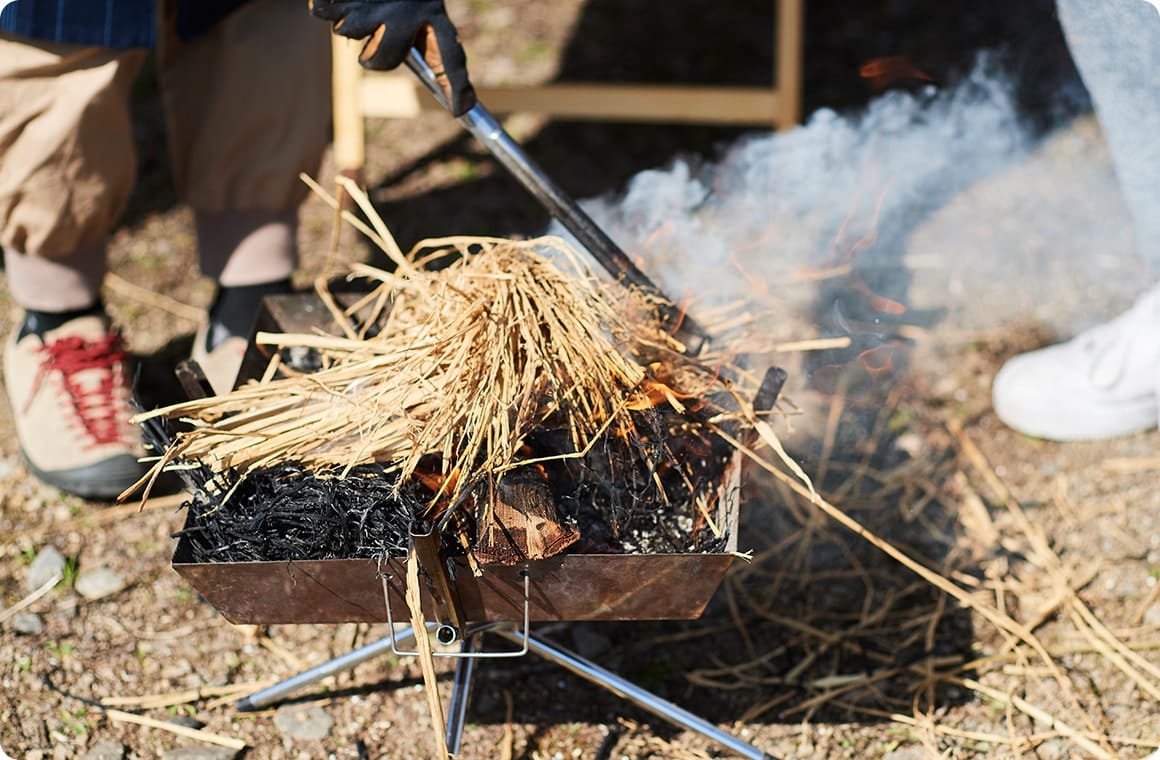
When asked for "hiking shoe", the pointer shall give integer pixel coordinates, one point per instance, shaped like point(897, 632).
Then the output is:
point(71, 405)
point(1101, 384)
point(220, 365)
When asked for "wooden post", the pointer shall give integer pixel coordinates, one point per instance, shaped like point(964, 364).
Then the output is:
point(788, 73)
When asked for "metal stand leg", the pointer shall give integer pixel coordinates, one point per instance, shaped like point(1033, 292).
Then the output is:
point(272, 694)
point(462, 686)
point(638, 696)
point(460, 695)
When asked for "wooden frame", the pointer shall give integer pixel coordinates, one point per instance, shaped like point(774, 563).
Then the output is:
point(359, 95)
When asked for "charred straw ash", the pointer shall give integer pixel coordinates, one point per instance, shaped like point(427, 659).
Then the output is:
point(633, 496)
point(287, 513)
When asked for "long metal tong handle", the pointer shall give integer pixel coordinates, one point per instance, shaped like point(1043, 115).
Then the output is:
point(485, 128)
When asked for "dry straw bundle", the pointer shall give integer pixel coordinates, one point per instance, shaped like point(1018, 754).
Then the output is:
point(463, 363)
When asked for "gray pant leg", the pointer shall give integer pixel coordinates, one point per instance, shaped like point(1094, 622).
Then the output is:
point(1116, 47)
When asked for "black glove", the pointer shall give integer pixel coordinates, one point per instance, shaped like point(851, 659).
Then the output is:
point(393, 27)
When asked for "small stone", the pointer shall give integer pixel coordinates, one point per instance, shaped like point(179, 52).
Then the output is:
point(308, 723)
point(27, 624)
point(905, 753)
point(48, 564)
point(1152, 616)
point(99, 583)
point(199, 753)
point(187, 721)
point(1053, 749)
point(910, 443)
point(588, 642)
point(106, 750)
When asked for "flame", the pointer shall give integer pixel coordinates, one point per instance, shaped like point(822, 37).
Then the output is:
point(844, 253)
point(882, 72)
point(438, 483)
point(886, 305)
point(432, 481)
point(877, 301)
point(652, 393)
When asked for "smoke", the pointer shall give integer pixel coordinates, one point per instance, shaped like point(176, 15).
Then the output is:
point(939, 204)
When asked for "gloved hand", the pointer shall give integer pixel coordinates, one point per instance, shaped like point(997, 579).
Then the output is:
point(393, 27)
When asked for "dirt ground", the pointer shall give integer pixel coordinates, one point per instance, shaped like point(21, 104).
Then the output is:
point(1033, 633)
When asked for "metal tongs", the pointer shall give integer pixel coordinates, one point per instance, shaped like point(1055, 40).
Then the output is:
point(485, 128)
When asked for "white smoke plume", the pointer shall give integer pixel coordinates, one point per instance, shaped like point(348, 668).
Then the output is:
point(941, 200)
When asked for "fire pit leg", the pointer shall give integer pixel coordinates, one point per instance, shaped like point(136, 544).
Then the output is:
point(272, 694)
point(460, 694)
point(638, 696)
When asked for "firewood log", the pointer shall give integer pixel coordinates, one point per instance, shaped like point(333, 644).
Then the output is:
point(518, 521)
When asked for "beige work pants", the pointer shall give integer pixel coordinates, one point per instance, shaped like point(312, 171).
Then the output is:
point(247, 109)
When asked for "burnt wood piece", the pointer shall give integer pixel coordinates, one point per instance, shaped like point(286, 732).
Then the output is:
point(193, 380)
point(769, 389)
point(519, 522)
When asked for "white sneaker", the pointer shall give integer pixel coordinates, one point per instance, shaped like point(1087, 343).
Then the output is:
point(1101, 384)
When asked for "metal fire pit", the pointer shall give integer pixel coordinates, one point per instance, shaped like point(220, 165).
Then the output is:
point(565, 587)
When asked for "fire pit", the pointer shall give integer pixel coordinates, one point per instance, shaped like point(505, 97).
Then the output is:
point(585, 583)
point(470, 600)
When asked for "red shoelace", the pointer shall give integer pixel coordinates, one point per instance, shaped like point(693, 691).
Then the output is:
point(98, 406)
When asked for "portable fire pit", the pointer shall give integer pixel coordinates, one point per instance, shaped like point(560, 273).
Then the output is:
point(569, 586)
